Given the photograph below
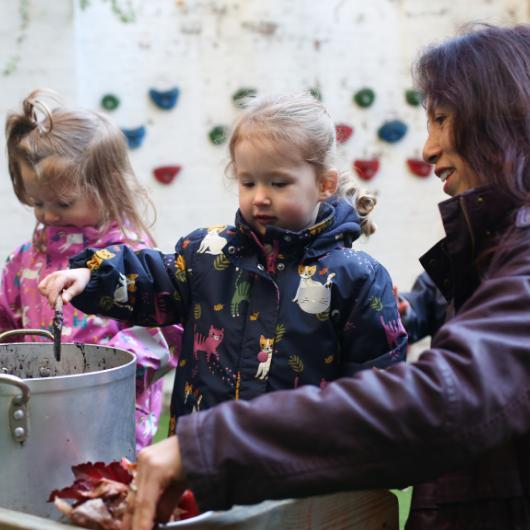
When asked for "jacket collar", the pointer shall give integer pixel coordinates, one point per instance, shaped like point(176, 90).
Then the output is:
point(336, 218)
point(70, 240)
point(473, 222)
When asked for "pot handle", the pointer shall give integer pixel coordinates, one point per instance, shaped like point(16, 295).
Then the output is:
point(18, 409)
point(17, 332)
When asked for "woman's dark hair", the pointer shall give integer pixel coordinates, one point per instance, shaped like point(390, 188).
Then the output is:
point(483, 76)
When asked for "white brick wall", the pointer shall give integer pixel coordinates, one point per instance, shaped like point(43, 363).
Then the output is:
point(211, 48)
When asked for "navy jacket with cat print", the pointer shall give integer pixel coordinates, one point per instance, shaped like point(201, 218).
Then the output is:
point(259, 314)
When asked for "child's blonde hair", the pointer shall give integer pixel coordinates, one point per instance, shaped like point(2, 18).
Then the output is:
point(302, 121)
point(77, 149)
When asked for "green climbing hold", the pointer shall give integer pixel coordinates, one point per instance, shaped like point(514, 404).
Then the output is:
point(315, 92)
point(241, 96)
point(218, 135)
point(364, 97)
point(413, 97)
point(110, 102)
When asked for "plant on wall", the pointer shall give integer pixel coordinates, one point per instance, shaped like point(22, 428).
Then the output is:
point(122, 9)
point(124, 13)
point(12, 62)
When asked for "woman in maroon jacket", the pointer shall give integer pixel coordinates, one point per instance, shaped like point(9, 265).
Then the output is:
point(456, 423)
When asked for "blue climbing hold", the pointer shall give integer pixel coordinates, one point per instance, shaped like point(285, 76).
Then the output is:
point(392, 131)
point(166, 99)
point(135, 137)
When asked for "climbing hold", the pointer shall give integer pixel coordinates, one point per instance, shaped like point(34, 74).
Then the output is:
point(315, 92)
point(135, 137)
point(419, 167)
point(166, 99)
point(241, 96)
point(166, 174)
point(392, 131)
point(218, 134)
point(110, 102)
point(364, 97)
point(366, 169)
point(413, 97)
point(343, 132)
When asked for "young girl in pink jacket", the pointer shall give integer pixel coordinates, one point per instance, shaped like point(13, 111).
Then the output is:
point(71, 167)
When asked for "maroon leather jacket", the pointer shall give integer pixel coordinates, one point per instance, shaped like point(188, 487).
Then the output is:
point(456, 423)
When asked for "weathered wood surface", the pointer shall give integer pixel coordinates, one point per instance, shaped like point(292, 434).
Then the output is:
point(357, 510)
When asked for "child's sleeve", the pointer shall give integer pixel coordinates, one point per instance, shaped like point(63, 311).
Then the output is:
point(10, 304)
point(143, 287)
point(427, 308)
point(373, 335)
point(157, 351)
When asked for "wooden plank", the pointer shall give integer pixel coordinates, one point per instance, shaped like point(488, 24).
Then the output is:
point(12, 520)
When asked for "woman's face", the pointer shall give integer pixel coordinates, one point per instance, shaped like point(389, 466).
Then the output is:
point(455, 173)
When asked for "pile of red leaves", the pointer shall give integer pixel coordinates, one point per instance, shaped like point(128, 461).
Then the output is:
point(101, 493)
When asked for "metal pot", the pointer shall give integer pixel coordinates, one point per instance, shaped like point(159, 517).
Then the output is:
point(56, 414)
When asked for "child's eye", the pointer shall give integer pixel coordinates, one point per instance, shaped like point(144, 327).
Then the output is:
point(247, 184)
point(440, 118)
point(64, 205)
point(280, 184)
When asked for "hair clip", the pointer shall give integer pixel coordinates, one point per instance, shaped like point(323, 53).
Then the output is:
point(392, 131)
point(135, 137)
point(164, 100)
point(166, 174)
point(366, 169)
point(343, 132)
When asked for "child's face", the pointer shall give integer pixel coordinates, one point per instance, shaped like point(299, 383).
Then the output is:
point(277, 187)
point(50, 209)
point(449, 166)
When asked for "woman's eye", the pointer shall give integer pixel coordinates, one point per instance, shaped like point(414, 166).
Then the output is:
point(439, 119)
point(279, 184)
point(247, 184)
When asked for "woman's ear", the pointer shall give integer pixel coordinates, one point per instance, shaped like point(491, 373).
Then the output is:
point(328, 184)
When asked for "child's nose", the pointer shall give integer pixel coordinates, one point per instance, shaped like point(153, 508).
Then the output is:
point(261, 195)
point(51, 217)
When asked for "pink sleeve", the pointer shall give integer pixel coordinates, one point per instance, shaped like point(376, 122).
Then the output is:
point(157, 351)
point(10, 305)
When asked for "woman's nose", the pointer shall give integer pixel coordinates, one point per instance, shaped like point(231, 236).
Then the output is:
point(431, 150)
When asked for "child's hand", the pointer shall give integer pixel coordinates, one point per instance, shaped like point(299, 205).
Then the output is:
point(68, 282)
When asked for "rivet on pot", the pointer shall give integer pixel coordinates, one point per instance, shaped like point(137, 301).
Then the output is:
point(18, 414)
point(19, 433)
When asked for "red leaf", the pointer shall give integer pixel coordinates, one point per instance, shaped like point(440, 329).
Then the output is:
point(188, 505)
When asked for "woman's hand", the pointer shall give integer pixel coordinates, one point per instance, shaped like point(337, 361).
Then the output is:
point(69, 282)
point(159, 483)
